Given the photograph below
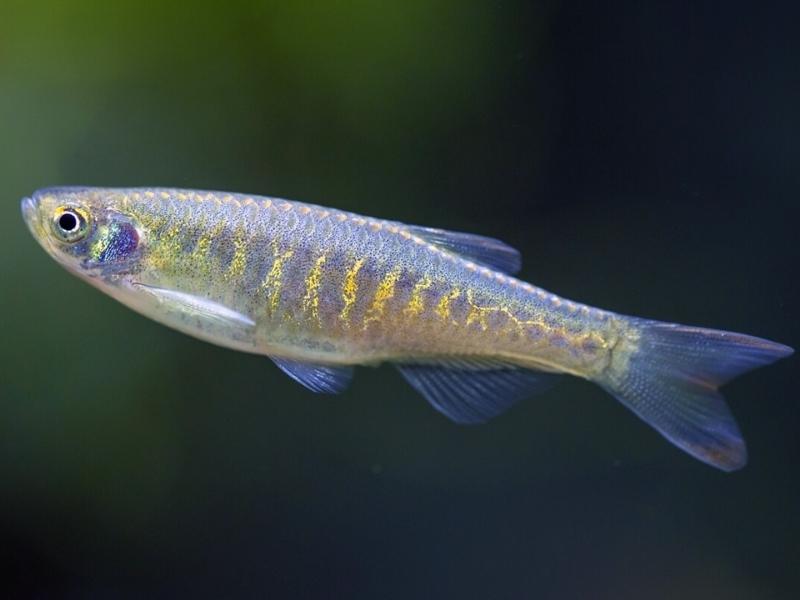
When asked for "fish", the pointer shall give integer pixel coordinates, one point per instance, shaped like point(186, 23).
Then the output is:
point(321, 291)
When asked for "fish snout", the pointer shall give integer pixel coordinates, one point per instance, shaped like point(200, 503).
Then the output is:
point(28, 206)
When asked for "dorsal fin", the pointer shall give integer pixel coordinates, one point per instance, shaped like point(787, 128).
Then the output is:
point(484, 250)
point(473, 391)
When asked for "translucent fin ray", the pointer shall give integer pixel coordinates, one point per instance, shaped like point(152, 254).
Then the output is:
point(671, 380)
point(484, 250)
point(473, 391)
point(324, 379)
point(197, 305)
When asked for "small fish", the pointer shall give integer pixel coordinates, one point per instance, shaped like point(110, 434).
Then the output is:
point(320, 290)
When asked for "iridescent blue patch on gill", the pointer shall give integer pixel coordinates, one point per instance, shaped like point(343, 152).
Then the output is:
point(123, 239)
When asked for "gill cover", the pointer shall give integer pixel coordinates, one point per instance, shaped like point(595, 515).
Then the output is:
point(114, 241)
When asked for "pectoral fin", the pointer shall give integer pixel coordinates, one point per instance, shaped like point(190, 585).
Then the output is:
point(197, 306)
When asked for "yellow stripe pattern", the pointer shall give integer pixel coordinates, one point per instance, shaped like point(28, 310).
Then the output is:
point(350, 290)
point(416, 304)
point(239, 260)
point(273, 282)
point(313, 281)
point(383, 293)
point(443, 307)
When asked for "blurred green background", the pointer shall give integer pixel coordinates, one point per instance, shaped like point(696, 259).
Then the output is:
point(643, 159)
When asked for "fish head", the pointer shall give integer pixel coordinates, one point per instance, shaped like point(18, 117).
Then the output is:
point(109, 241)
point(86, 230)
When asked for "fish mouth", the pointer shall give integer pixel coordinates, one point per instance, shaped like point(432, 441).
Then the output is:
point(32, 218)
point(28, 208)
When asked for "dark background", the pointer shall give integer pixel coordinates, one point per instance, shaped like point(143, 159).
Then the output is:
point(642, 155)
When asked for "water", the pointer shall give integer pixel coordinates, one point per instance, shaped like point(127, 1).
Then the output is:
point(641, 157)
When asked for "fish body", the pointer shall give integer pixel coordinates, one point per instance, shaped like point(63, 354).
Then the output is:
point(321, 290)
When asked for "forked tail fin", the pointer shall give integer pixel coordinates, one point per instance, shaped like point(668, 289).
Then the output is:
point(669, 377)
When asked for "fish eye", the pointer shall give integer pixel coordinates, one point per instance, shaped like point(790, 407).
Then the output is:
point(70, 224)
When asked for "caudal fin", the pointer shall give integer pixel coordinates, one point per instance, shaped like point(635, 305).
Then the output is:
point(669, 377)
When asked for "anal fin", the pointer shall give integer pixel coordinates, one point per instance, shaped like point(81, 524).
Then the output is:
point(473, 391)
